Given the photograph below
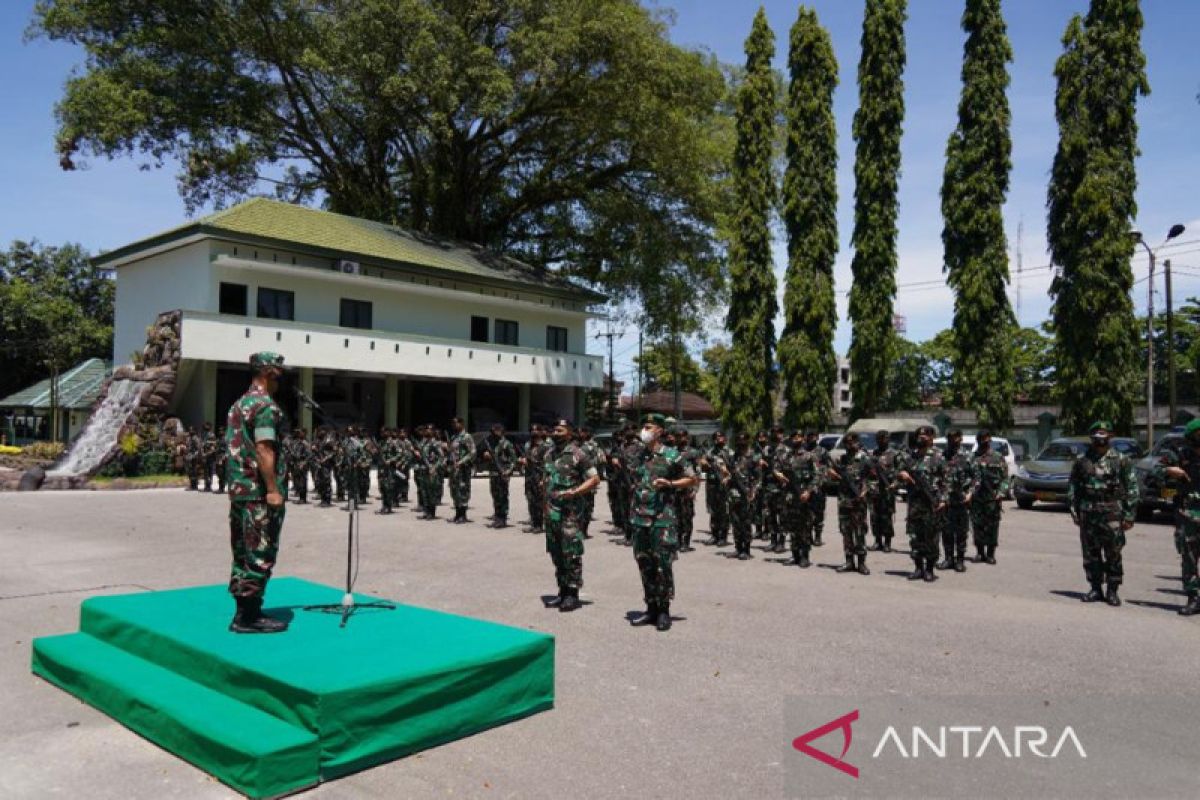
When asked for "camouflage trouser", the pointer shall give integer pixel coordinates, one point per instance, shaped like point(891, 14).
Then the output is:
point(923, 526)
point(402, 485)
point(321, 482)
point(533, 496)
point(741, 518)
point(221, 466)
point(1101, 539)
point(194, 469)
point(339, 480)
point(799, 521)
point(718, 510)
point(299, 473)
point(852, 522)
point(616, 502)
point(883, 515)
point(437, 488)
point(772, 509)
point(254, 529)
point(210, 467)
point(1187, 542)
point(654, 548)
point(564, 543)
point(818, 502)
point(499, 486)
point(685, 515)
point(424, 485)
point(760, 513)
point(387, 487)
point(460, 486)
point(955, 527)
point(985, 523)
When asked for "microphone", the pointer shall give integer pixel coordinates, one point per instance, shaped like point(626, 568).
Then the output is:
point(308, 401)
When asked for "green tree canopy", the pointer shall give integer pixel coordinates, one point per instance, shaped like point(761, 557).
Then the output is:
point(565, 133)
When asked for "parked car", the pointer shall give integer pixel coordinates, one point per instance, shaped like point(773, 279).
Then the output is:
point(1153, 496)
point(999, 444)
point(1045, 478)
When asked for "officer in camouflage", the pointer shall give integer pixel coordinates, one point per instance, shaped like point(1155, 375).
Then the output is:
point(960, 490)
point(1103, 496)
point(924, 470)
point(882, 492)
point(501, 458)
point(570, 475)
point(257, 490)
point(299, 461)
point(209, 448)
point(461, 466)
point(715, 499)
point(799, 471)
point(531, 462)
point(662, 473)
point(740, 480)
point(685, 501)
point(991, 485)
point(1181, 471)
point(592, 450)
point(812, 443)
point(851, 472)
point(324, 453)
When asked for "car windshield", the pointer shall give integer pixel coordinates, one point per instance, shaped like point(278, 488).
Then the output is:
point(1062, 451)
point(1126, 447)
point(829, 442)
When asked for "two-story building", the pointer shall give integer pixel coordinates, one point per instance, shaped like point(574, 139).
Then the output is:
point(381, 326)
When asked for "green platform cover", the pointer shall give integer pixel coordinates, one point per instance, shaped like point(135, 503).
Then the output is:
point(388, 684)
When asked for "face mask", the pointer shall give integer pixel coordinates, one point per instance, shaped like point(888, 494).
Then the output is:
point(1100, 441)
point(647, 436)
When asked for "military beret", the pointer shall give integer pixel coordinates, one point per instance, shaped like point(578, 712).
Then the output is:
point(1100, 425)
point(265, 359)
point(655, 419)
point(564, 423)
point(1192, 427)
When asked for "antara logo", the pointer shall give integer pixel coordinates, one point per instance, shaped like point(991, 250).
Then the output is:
point(1023, 740)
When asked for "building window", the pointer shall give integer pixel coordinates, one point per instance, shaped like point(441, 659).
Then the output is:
point(355, 314)
point(233, 299)
point(276, 303)
point(506, 332)
point(556, 338)
point(479, 329)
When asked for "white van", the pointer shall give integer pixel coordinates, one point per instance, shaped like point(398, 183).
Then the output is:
point(999, 444)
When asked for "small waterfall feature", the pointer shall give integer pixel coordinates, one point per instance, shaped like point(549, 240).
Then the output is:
point(100, 435)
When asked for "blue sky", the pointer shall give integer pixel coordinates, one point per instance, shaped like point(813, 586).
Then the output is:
point(110, 204)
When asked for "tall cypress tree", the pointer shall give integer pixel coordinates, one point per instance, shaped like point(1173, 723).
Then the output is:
point(877, 127)
point(1090, 202)
point(748, 376)
point(806, 357)
point(974, 186)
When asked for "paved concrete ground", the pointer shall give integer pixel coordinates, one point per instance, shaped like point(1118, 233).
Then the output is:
point(693, 713)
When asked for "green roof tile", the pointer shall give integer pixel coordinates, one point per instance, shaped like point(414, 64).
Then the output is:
point(78, 387)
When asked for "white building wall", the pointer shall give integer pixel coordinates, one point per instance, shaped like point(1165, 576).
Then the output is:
point(174, 279)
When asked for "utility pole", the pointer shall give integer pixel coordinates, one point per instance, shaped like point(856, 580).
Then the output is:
point(1170, 344)
point(639, 376)
point(1150, 357)
point(612, 375)
point(1020, 265)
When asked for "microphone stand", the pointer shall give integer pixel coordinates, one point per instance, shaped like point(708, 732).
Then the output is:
point(348, 605)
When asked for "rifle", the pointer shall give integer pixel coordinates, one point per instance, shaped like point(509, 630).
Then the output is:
point(855, 492)
point(921, 482)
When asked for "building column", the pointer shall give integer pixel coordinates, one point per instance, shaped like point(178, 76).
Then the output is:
point(208, 391)
point(406, 414)
point(306, 386)
point(462, 399)
point(391, 394)
point(523, 407)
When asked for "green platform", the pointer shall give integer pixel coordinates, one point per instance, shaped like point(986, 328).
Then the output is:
point(271, 714)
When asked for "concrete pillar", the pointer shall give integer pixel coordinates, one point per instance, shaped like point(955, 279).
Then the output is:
point(462, 399)
point(406, 392)
point(306, 386)
point(208, 391)
point(391, 396)
point(523, 407)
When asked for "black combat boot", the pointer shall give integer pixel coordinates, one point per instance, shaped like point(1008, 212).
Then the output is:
point(887, 544)
point(959, 563)
point(848, 566)
point(980, 554)
point(647, 617)
point(919, 571)
point(817, 540)
point(663, 623)
point(947, 562)
point(1193, 606)
point(1112, 598)
point(1095, 595)
point(250, 619)
point(862, 565)
point(990, 556)
point(556, 601)
point(711, 541)
point(876, 545)
point(929, 575)
point(804, 562)
point(570, 600)
point(501, 522)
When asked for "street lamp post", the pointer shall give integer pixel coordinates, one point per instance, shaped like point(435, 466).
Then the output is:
point(1171, 234)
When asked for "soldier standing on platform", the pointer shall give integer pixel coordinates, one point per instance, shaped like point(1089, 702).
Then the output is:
point(991, 485)
point(570, 475)
point(924, 470)
point(960, 491)
point(850, 471)
point(715, 499)
point(531, 462)
point(1182, 471)
point(662, 473)
point(1103, 496)
point(501, 458)
point(461, 468)
point(882, 492)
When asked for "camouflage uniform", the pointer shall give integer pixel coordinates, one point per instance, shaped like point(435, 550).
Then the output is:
point(632, 455)
point(716, 499)
point(881, 491)
point(1102, 494)
point(461, 465)
point(960, 485)
point(192, 459)
point(299, 460)
point(685, 499)
point(222, 462)
point(741, 489)
point(853, 470)
point(1187, 519)
point(324, 453)
point(209, 450)
point(655, 535)
point(823, 463)
point(614, 475)
point(800, 469)
point(404, 465)
point(775, 500)
point(566, 466)
point(534, 490)
point(596, 456)
point(340, 465)
point(389, 457)
point(254, 527)
point(991, 484)
point(924, 521)
point(501, 463)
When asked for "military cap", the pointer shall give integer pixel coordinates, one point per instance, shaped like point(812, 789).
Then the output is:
point(1192, 427)
point(1100, 425)
point(655, 419)
point(266, 358)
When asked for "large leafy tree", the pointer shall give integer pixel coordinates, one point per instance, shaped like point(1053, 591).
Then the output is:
point(974, 186)
point(807, 361)
point(878, 123)
point(1090, 203)
point(748, 374)
point(566, 133)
